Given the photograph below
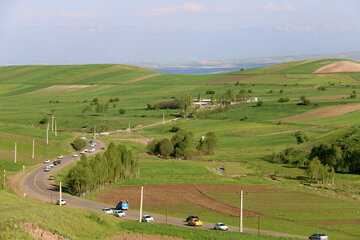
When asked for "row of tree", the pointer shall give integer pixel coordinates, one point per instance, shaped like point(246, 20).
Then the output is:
point(184, 146)
point(94, 173)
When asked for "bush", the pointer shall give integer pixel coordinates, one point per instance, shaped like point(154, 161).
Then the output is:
point(210, 92)
point(282, 100)
point(353, 94)
point(173, 104)
point(44, 120)
point(122, 111)
point(304, 101)
point(321, 88)
point(174, 129)
point(79, 144)
point(259, 103)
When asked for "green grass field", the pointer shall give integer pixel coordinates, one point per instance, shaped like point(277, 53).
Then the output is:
point(246, 133)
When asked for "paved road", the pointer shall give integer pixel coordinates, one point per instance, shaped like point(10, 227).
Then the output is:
point(37, 185)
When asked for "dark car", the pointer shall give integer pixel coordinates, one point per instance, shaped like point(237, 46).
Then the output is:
point(58, 161)
point(318, 236)
point(190, 218)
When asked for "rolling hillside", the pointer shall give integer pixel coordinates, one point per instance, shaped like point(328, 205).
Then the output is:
point(248, 133)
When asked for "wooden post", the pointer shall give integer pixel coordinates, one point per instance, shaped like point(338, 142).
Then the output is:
point(60, 195)
point(241, 210)
point(52, 123)
point(55, 129)
point(33, 149)
point(15, 154)
point(4, 179)
point(163, 119)
point(47, 134)
point(141, 202)
point(94, 132)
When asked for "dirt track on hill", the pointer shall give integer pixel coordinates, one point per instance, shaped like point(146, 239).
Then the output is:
point(142, 78)
point(182, 193)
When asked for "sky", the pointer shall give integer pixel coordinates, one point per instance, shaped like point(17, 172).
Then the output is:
point(110, 31)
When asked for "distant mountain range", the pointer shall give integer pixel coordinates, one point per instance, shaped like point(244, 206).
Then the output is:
point(218, 66)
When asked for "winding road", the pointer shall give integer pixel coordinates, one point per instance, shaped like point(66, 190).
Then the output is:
point(36, 184)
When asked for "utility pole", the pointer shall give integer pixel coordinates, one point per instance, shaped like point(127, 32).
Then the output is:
point(129, 128)
point(47, 134)
point(241, 210)
point(15, 154)
point(4, 179)
point(23, 167)
point(60, 195)
point(166, 215)
point(141, 202)
point(94, 132)
point(55, 129)
point(52, 123)
point(163, 119)
point(33, 150)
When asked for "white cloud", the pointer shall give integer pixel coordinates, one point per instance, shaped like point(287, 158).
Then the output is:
point(77, 15)
point(276, 8)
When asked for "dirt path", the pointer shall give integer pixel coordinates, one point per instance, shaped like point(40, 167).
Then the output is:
point(138, 140)
point(142, 78)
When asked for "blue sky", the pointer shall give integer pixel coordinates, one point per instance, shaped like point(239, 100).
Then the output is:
point(109, 31)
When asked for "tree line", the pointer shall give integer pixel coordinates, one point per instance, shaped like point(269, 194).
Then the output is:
point(184, 146)
point(94, 173)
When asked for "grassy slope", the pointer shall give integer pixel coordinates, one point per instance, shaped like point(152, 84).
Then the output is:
point(87, 224)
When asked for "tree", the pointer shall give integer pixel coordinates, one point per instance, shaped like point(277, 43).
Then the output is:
point(304, 101)
point(283, 99)
point(165, 147)
point(186, 104)
point(243, 95)
point(208, 144)
point(78, 144)
point(86, 108)
point(259, 103)
point(353, 94)
point(328, 155)
point(122, 110)
point(300, 137)
point(44, 120)
point(313, 168)
point(101, 109)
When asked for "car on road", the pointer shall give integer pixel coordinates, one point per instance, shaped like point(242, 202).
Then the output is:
point(63, 202)
point(58, 161)
point(47, 161)
point(221, 226)
point(191, 218)
point(92, 150)
point(75, 155)
point(51, 165)
point(47, 169)
point(318, 236)
point(86, 150)
point(52, 178)
point(119, 213)
point(147, 218)
point(93, 144)
point(102, 148)
point(107, 210)
point(83, 138)
point(195, 222)
point(55, 163)
point(82, 152)
point(60, 156)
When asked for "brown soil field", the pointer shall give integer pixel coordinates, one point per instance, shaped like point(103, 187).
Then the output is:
point(142, 78)
point(134, 236)
point(341, 66)
point(325, 112)
point(181, 193)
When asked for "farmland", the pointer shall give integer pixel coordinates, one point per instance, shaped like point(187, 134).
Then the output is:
point(280, 194)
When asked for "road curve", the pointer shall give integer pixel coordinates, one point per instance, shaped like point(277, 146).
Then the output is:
point(37, 185)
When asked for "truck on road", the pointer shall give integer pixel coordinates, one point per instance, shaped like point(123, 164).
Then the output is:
point(122, 205)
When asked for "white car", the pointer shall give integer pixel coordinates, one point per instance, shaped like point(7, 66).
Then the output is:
point(63, 202)
point(83, 138)
point(92, 150)
point(86, 150)
point(107, 210)
point(60, 156)
point(75, 155)
point(82, 152)
point(119, 213)
point(93, 144)
point(51, 165)
point(221, 226)
point(147, 218)
point(47, 161)
point(318, 236)
point(47, 169)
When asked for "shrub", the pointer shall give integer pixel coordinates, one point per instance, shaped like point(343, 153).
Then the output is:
point(259, 103)
point(210, 92)
point(122, 110)
point(44, 120)
point(79, 144)
point(173, 104)
point(282, 100)
point(174, 129)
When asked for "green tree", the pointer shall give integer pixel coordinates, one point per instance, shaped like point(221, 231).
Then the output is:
point(208, 144)
point(122, 111)
point(165, 148)
point(313, 169)
point(78, 144)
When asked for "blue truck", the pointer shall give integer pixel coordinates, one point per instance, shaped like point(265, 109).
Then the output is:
point(122, 205)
